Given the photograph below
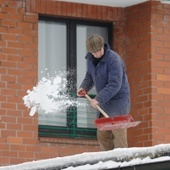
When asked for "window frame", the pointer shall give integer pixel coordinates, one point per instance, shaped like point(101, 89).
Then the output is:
point(69, 130)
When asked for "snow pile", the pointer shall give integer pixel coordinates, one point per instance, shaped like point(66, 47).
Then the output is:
point(50, 94)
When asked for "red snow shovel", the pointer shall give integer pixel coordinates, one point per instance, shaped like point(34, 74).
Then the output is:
point(117, 122)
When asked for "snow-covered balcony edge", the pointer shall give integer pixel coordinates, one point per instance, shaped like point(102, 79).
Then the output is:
point(155, 157)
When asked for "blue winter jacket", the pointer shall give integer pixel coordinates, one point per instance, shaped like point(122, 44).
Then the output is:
point(110, 81)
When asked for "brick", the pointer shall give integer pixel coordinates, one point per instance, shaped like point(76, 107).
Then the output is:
point(163, 64)
point(64, 8)
point(167, 138)
point(11, 51)
point(2, 126)
point(15, 45)
point(94, 11)
point(79, 10)
point(25, 25)
point(47, 149)
point(25, 39)
point(31, 18)
point(2, 2)
point(24, 120)
point(84, 11)
point(163, 77)
point(14, 86)
point(30, 46)
point(9, 10)
point(32, 60)
point(28, 5)
point(15, 113)
point(33, 6)
point(14, 17)
point(2, 85)
point(30, 141)
point(167, 44)
point(9, 153)
point(25, 134)
point(18, 147)
point(7, 92)
point(14, 126)
point(30, 32)
point(12, 3)
point(89, 11)
point(163, 91)
point(163, 51)
point(26, 66)
point(41, 155)
point(25, 52)
point(15, 58)
point(8, 23)
point(4, 161)
point(157, 44)
point(15, 30)
point(9, 105)
point(4, 147)
point(6, 133)
point(29, 128)
point(2, 44)
point(72, 9)
point(8, 119)
point(14, 140)
point(25, 80)
point(48, 7)
point(34, 148)
point(3, 15)
point(17, 160)
point(8, 37)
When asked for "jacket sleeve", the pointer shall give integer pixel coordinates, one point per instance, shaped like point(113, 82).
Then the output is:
point(115, 74)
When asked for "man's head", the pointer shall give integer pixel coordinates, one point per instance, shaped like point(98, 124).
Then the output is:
point(94, 43)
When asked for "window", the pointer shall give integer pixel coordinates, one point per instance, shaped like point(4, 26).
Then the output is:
point(62, 47)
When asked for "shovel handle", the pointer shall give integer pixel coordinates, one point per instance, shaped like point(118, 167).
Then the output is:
point(98, 107)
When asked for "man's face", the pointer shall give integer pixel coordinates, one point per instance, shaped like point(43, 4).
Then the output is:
point(99, 54)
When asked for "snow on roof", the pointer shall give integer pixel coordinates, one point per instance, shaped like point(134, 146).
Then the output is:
point(116, 158)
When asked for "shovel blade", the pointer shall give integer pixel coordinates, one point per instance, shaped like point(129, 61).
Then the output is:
point(118, 122)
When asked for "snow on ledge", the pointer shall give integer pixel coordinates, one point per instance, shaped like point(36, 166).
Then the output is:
point(97, 160)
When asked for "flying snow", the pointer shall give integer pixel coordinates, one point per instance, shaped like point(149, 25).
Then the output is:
point(51, 94)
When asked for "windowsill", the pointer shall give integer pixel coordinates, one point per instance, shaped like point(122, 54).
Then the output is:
point(76, 141)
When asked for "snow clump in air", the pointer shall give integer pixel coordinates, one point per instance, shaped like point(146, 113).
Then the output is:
point(51, 94)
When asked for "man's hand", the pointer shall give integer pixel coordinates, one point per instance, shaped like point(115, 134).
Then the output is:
point(94, 103)
point(79, 92)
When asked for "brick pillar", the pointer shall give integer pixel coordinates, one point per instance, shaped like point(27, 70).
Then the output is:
point(18, 67)
point(138, 60)
point(160, 68)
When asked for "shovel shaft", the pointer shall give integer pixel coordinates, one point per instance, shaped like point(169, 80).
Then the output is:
point(98, 107)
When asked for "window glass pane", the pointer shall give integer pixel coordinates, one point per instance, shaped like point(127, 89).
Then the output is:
point(86, 116)
point(51, 59)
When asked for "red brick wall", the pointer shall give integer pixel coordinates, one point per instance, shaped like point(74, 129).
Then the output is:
point(144, 48)
point(18, 60)
point(138, 60)
point(160, 68)
point(147, 58)
point(18, 68)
